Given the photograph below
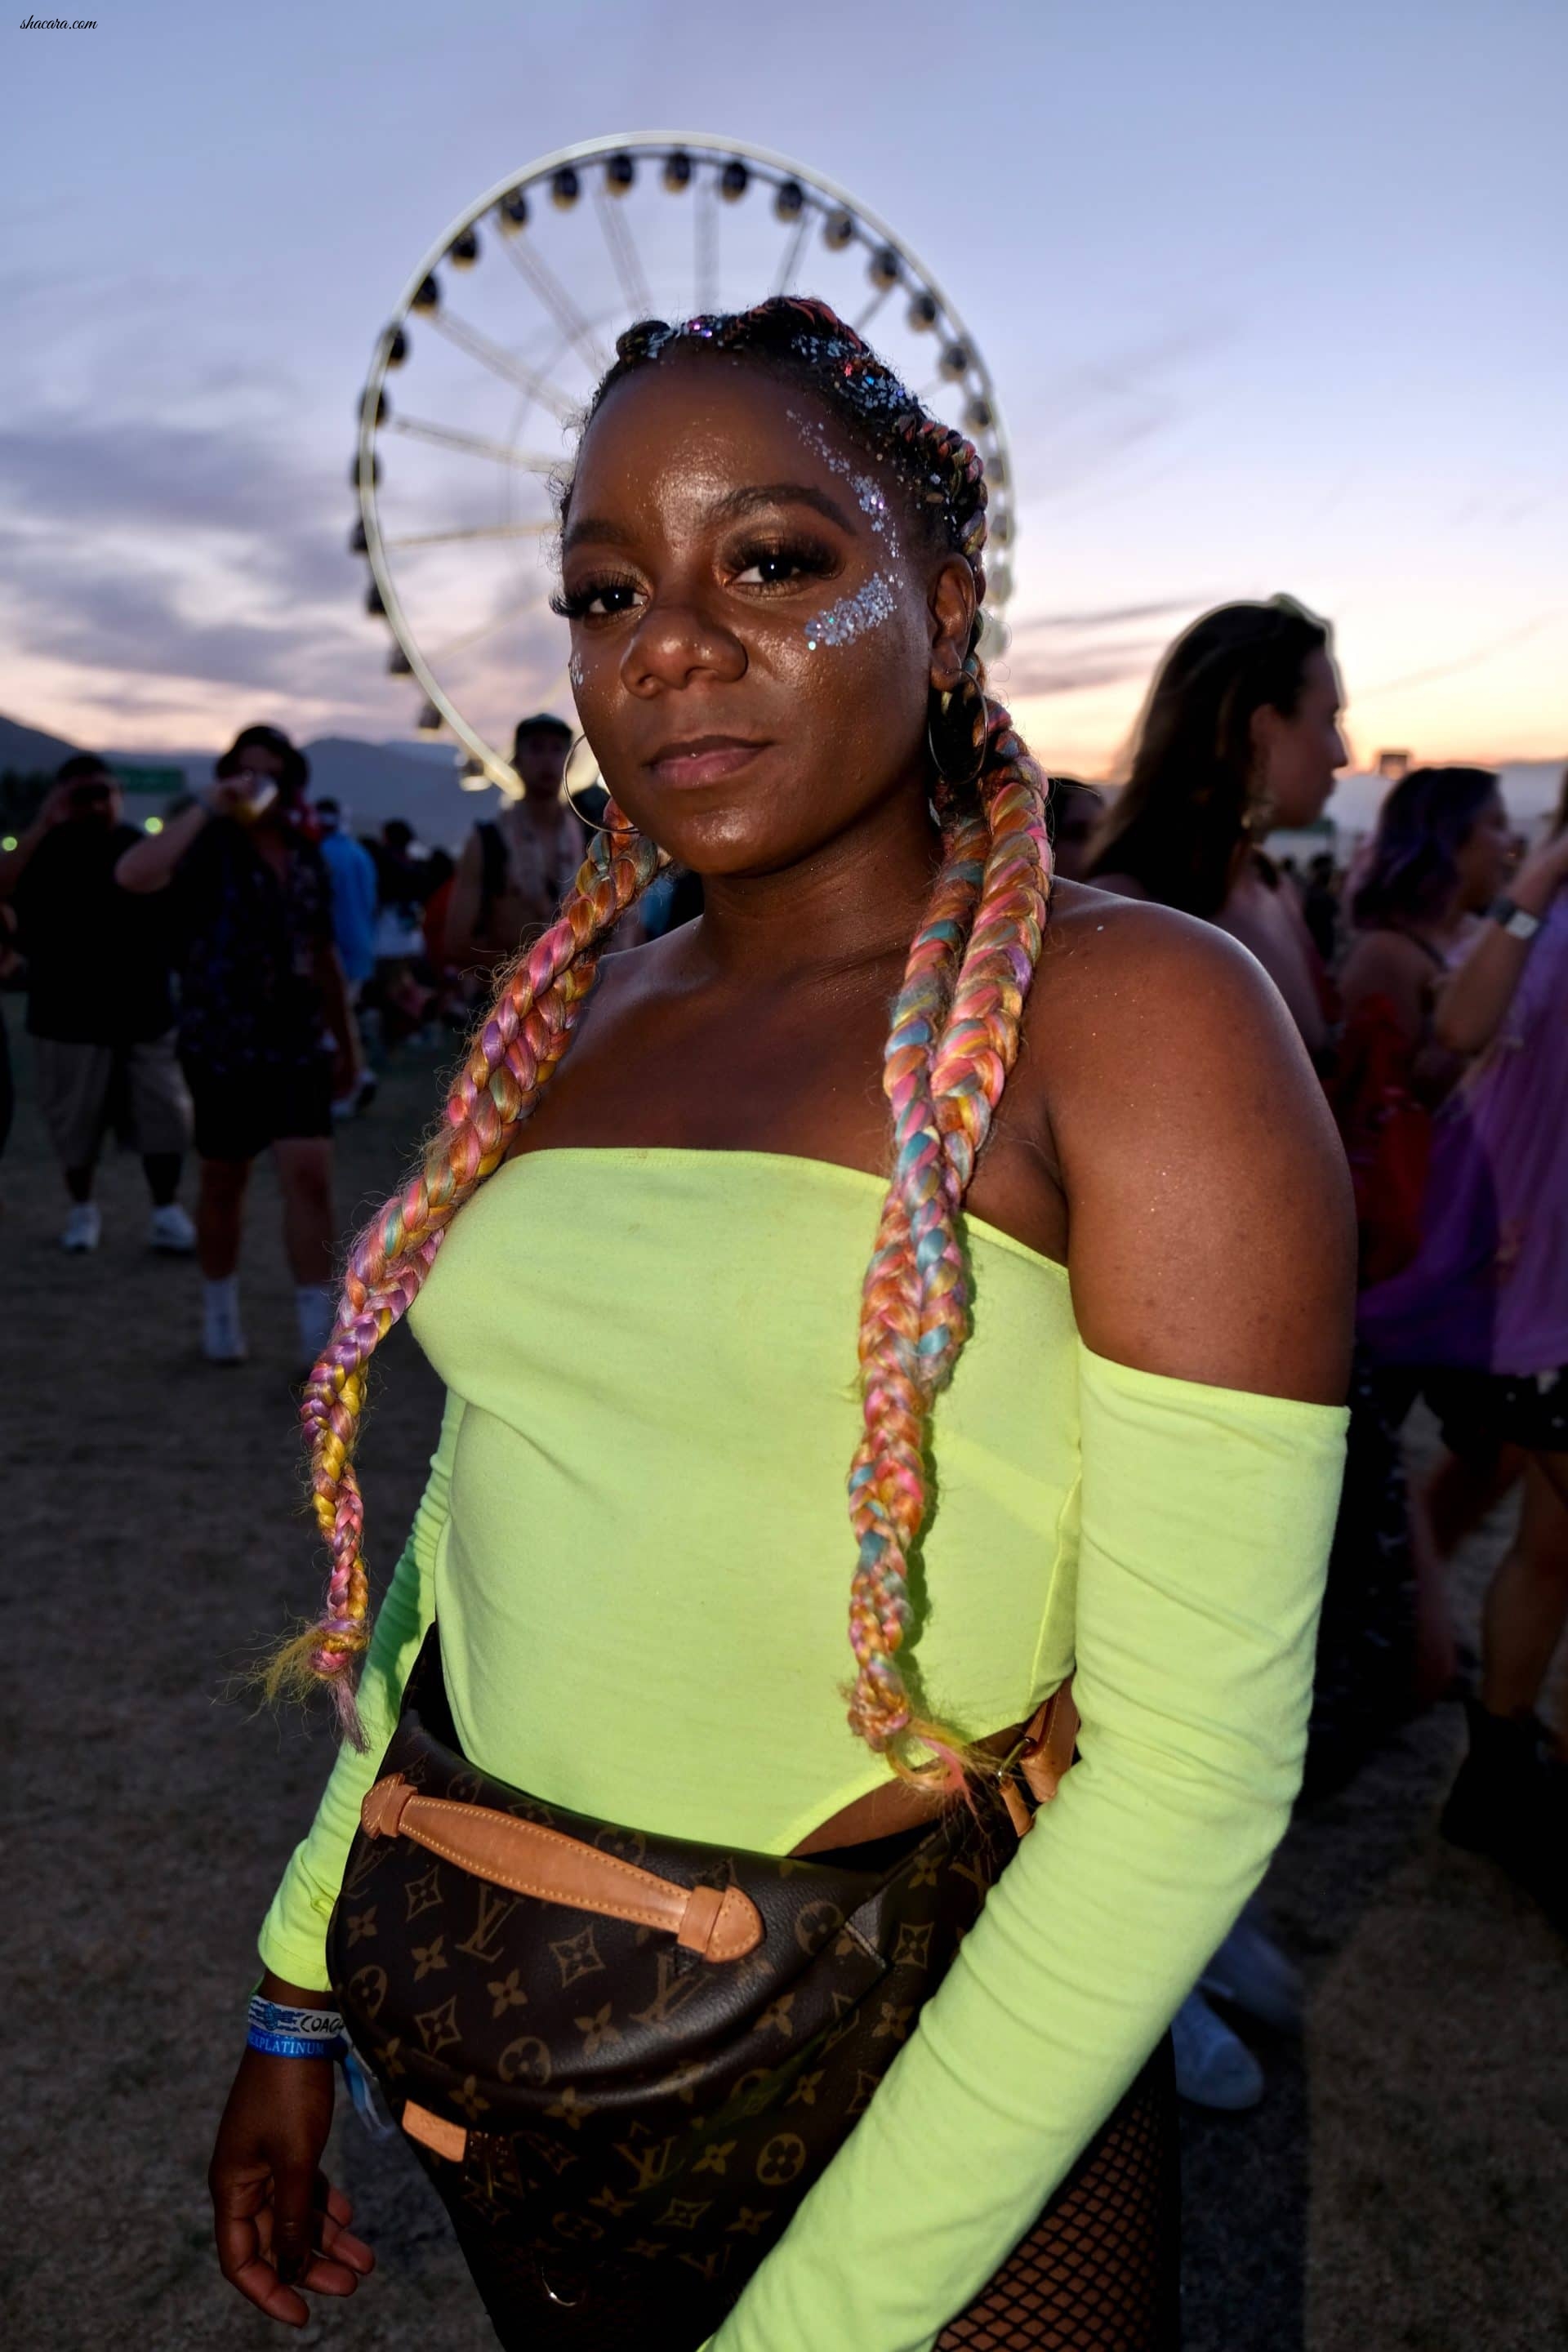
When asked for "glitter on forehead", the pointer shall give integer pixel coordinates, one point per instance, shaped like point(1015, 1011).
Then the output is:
point(869, 493)
point(854, 381)
point(853, 615)
point(879, 399)
point(872, 387)
point(872, 501)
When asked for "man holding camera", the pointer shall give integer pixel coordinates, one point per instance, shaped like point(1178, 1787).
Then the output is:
point(100, 1005)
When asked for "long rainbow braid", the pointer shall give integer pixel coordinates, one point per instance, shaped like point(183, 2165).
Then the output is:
point(944, 1080)
point(954, 1040)
point(512, 1058)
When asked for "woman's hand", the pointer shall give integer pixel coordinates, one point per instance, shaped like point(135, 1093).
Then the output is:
point(1474, 1000)
point(1541, 874)
point(243, 795)
point(282, 2229)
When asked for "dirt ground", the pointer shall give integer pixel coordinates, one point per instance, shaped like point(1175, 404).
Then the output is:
point(1403, 2188)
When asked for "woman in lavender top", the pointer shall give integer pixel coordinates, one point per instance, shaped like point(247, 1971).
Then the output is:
point(1481, 1316)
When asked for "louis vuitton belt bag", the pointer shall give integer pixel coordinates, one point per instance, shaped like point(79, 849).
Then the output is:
point(628, 2057)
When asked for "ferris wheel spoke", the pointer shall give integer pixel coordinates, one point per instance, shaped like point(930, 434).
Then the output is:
point(705, 231)
point(558, 302)
point(623, 255)
point(499, 767)
point(473, 445)
point(540, 530)
point(483, 629)
point(872, 307)
point(501, 362)
point(783, 282)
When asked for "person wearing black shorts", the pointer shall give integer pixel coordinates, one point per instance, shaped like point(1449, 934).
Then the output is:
point(266, 1035)
point(100, 1010)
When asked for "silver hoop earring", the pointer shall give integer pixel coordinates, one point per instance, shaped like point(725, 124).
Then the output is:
point(582, 770)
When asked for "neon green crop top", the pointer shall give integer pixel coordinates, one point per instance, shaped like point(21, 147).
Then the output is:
point(637, 1536)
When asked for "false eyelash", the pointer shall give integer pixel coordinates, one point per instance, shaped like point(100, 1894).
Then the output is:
point(808, 556)
point(573, 605)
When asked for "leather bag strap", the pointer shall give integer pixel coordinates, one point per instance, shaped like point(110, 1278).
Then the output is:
point(530, 1859)
point(1043, 1755)
point(1049, 1743)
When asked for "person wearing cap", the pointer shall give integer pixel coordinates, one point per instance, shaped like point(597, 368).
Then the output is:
point(268, 1036)
point(516, 868)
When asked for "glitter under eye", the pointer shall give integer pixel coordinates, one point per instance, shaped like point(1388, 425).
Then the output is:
point(852, 616)
point(574, 670)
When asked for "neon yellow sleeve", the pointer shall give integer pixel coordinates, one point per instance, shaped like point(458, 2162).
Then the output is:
point(293, 1934)
point(1206, 1519)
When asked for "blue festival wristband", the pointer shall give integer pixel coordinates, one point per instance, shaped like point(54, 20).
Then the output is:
point(292, 2045)
point(282, 2032)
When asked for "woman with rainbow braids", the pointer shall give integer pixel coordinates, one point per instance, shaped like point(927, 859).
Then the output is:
point(1071, 1155)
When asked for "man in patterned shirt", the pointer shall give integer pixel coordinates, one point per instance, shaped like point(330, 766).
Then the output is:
point(267, 1037)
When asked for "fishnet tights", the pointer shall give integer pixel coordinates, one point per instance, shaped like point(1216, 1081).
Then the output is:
point(1099, 2270)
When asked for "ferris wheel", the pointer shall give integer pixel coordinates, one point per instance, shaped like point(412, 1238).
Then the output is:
point(496, 343)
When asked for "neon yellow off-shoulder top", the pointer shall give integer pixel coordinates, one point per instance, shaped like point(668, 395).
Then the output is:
point(637, 1536)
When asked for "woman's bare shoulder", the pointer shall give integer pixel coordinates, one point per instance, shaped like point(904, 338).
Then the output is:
point(1126, 955)
point(1394, 969)
point(1211, 1233)
point(1142, 1004)
point(1375, 958)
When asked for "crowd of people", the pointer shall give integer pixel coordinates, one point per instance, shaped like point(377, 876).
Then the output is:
point(233, 983)
point(1428, 982)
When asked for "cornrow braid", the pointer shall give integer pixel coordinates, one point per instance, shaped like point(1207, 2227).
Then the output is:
point(953, 1041)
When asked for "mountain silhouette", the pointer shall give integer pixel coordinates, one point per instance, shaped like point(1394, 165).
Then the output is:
point(374, 782)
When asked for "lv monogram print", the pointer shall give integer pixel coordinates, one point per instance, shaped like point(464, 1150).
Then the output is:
point(641, 2121)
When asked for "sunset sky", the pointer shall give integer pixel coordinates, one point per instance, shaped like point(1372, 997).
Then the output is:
point(1274, 298)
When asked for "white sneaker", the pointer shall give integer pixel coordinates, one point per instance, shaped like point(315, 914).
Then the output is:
point(171, 1231)
point(223, 1342)
point(1253, 1975)
point(1213, 2069)
point(84, 1227)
